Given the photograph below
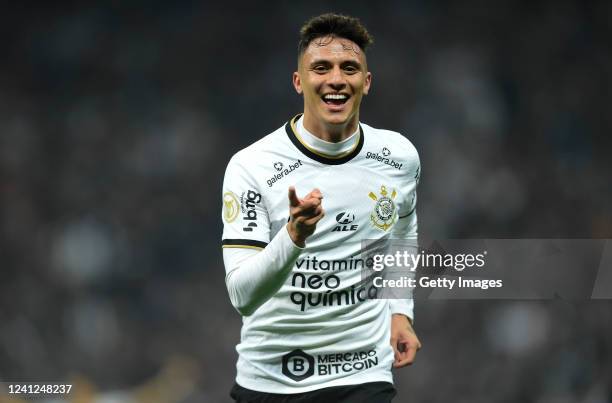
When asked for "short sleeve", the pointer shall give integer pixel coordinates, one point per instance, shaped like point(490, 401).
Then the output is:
point(245, 218)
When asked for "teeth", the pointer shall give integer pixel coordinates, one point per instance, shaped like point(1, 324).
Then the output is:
point(335, 96)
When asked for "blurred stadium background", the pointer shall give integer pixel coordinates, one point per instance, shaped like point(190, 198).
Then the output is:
point(117, 120)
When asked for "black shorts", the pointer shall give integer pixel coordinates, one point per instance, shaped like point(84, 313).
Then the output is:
point(371, 392)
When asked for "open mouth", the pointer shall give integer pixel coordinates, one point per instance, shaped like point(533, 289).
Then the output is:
point(335, 99)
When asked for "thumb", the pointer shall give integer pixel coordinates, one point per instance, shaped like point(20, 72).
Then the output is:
point(396, 352)
point(293, 199)
point(315, 193)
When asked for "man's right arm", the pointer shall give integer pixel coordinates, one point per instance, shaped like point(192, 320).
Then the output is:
point(255, 276)
point(256, 269)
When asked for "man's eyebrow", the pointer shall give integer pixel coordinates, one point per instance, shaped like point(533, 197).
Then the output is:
point(319, 61)
point(328, 62)
point(351, 62)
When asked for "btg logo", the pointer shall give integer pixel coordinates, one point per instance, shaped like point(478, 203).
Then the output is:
point(298, 365)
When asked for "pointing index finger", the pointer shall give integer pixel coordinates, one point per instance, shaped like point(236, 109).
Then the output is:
point(293, 199)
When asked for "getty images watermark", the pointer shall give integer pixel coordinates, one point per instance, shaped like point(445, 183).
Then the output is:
point(409, 261)
point(488, 269)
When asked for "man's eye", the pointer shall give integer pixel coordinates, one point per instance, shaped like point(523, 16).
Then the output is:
point(320, 69)
point(351, 69)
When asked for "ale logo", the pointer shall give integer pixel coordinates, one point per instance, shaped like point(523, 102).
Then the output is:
point(298, 365)
point(345, 220)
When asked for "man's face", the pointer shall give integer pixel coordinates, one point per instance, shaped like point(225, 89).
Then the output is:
point(332, 74)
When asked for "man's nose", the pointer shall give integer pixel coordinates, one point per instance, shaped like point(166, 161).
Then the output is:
point(336, 79)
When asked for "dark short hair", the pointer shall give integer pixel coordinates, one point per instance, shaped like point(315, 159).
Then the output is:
point(334, 25)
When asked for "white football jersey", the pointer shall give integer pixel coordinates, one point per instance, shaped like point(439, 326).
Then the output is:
point(320, 329)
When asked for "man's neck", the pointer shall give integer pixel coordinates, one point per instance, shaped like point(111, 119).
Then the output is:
point(330, 133)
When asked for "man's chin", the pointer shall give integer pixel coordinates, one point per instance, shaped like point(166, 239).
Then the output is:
point(337, 119)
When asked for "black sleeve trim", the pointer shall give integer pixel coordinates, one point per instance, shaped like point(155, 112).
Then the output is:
point(243, 242)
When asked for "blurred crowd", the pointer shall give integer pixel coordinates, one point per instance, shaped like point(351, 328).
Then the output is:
point(117, 121)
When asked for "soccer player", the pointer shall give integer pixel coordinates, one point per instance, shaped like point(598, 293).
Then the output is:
point(296, 206)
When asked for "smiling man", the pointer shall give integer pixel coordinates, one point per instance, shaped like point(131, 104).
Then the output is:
point(333, 77)
point(312, 329)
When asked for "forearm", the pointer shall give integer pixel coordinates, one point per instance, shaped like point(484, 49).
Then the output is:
point(406, 229)
point(253, 277)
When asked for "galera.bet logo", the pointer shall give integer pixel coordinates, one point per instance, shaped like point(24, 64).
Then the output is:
point(298, 365)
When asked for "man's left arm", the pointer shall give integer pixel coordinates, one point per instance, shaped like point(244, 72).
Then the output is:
point(404, 340)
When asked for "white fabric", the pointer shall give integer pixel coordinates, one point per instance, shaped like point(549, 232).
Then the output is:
point(254, 276)
point(323, 146)
point(405, 228)
point(313, 326)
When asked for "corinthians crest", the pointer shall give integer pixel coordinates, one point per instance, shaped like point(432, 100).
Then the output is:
point(385, 211)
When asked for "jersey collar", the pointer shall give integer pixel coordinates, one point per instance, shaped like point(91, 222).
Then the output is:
point(317, 155)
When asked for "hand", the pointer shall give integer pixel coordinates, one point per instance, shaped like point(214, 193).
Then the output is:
point(404, 341)
point(304, 214)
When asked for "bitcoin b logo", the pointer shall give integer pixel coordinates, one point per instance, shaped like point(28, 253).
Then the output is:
point(298, 365)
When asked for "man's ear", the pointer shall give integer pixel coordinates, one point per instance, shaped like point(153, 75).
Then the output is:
point(368, 82)
point(297, 82)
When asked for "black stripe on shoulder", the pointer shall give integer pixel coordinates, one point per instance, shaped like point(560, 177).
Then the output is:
point(409, 214)
point(319, 158)
point(244, 242)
